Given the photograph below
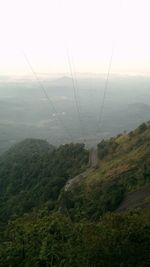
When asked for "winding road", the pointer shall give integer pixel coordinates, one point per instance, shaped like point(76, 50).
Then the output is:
point(93, 160)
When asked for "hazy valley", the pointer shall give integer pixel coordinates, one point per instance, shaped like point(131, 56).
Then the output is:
point(25, 112)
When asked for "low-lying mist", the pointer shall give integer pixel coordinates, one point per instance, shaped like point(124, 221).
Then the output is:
point(83, 112)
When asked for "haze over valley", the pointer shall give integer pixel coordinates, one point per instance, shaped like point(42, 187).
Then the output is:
point(73, 114)
point(74, 133)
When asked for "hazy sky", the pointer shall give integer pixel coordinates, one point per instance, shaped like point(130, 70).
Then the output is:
point(89, 29)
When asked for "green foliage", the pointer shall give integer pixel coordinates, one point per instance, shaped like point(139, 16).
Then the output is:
point(32, 173)
point(53, 240)
point(94, 204)
point(142, 127)
point(49, 226)
point(124, 167)
point(106, 147)
point(103, 149)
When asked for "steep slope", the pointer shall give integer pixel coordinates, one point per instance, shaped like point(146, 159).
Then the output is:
point(33, 172)
point(124, 166)
point(79, 234)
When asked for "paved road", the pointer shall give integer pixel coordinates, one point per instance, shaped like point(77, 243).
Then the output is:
point(93, 158)
point(92, 163)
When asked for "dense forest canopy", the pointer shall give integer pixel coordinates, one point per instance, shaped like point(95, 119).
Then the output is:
point(101, 220)
point(32, 173)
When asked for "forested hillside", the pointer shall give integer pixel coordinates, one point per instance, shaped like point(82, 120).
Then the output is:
point(124, 167)
point(102, 220)
point(33, 172)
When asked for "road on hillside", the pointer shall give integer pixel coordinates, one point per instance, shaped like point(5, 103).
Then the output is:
point(92, 164)
point(93, 158)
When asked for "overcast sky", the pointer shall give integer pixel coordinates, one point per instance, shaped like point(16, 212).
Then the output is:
point(47, 30)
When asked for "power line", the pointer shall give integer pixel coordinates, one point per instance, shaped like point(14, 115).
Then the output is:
point(77, 104)
point(47, 96)
point(105, 91)
point(76, 96)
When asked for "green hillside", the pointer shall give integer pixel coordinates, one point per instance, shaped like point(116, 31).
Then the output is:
point(123, 167)
point(33, 172)
point(100, 220)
